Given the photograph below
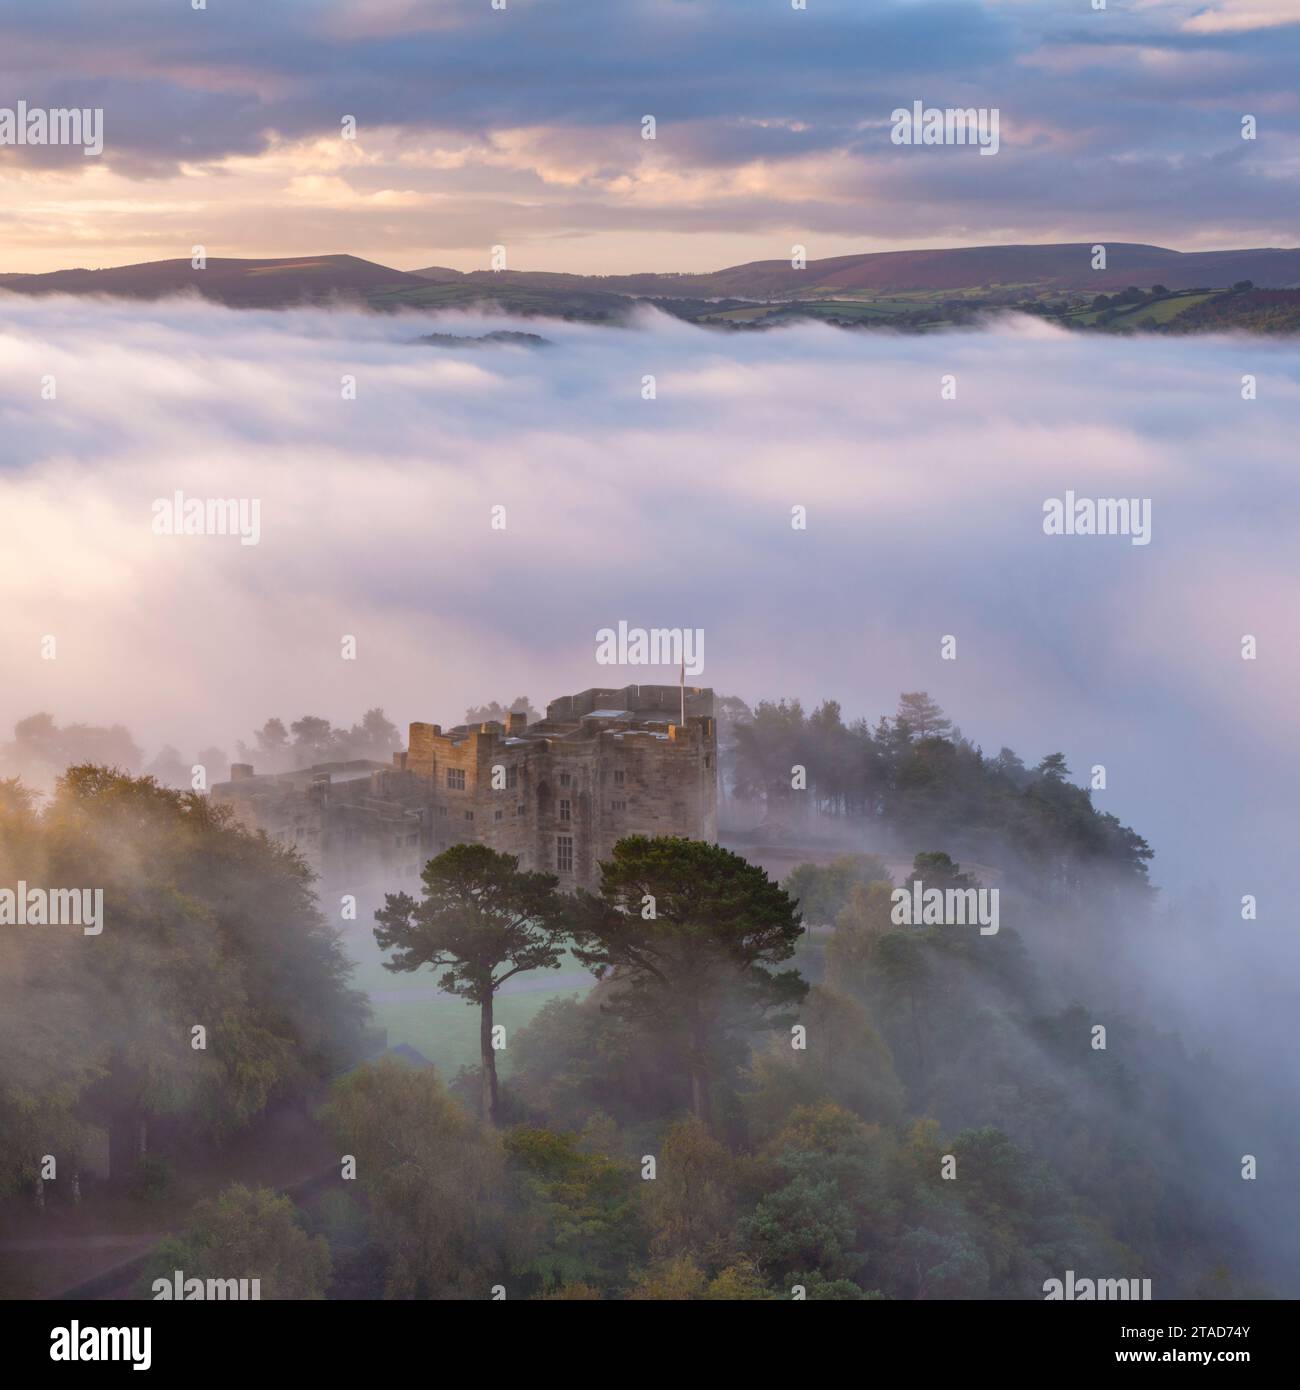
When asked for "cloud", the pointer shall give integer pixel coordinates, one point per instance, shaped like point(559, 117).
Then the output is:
point(526, 123)
point(924, 519)
point(1236, 15)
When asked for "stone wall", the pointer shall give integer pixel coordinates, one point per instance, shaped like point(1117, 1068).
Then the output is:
point(601, 765)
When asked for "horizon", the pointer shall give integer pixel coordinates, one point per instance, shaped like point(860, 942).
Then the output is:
point(615, 274)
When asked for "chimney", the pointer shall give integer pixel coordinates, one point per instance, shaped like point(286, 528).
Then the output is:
point(241, 772)
point(517, 723)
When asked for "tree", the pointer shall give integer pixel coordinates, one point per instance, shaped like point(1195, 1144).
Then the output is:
point(16, 800)
point(690, 1206)
point(845, 1061)
point(169, 769)
point(821, 891)
point(434, 1178)
point(921, 715)
point(691, 931)
point(479, 913)
point(864, 919)
point(935, 869)
point(41, 750)
point(246, 1233)
point(577, 1223)
point(483, 714)
point(1053, 767)
point(270, 752)
point(203, 923)
point(313, 740)
point(902, 965)
point(375, 737)
point(674, 1280)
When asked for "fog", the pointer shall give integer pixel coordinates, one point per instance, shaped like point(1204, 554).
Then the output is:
point(924, 520)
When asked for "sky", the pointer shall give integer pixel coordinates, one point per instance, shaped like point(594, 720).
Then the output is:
point(522, 127)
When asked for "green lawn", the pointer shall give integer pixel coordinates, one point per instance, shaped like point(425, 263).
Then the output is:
point(1165, 309)
point(444, 1028)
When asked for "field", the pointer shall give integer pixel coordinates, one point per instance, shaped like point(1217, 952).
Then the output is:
point(444, 1028)
point(1156, 313)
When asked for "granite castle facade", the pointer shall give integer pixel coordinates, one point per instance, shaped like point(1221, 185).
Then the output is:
point(558, 793)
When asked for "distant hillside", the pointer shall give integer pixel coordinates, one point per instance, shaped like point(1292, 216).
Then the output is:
point(908, 290)
point(1057, 267)
point(1256, 311)
point(243, 284)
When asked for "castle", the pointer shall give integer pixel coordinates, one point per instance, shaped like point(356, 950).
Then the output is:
point(557, 793)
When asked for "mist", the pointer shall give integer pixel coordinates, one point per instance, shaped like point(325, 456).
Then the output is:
point(924, 519)
point(670, 503)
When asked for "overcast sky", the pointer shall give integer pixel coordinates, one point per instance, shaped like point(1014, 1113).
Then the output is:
point(522, 127)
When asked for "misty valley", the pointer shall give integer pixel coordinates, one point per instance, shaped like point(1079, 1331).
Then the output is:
point(809, 1061)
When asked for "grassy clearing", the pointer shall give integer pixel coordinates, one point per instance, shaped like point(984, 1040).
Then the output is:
point(444, 1028)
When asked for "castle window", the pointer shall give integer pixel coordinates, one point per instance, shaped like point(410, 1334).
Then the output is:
point(566, 810)
point(442, 810)
point(499, 815)
point(707, 761)
point(565, 779)
point(618, 805)
point(456, 778)
point(618, 777)
point(512, 777)
point(564, 853)
point(469, 815)
point(520, 809)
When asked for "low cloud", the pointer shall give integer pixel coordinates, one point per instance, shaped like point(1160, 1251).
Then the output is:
point(924, 520)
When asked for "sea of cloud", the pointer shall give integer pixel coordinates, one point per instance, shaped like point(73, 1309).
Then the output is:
point(924, 520)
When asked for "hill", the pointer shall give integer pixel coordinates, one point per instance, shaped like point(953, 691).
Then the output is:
point(242, 284)
point(908, 290)
point(1256, 311)
point(965, 269)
